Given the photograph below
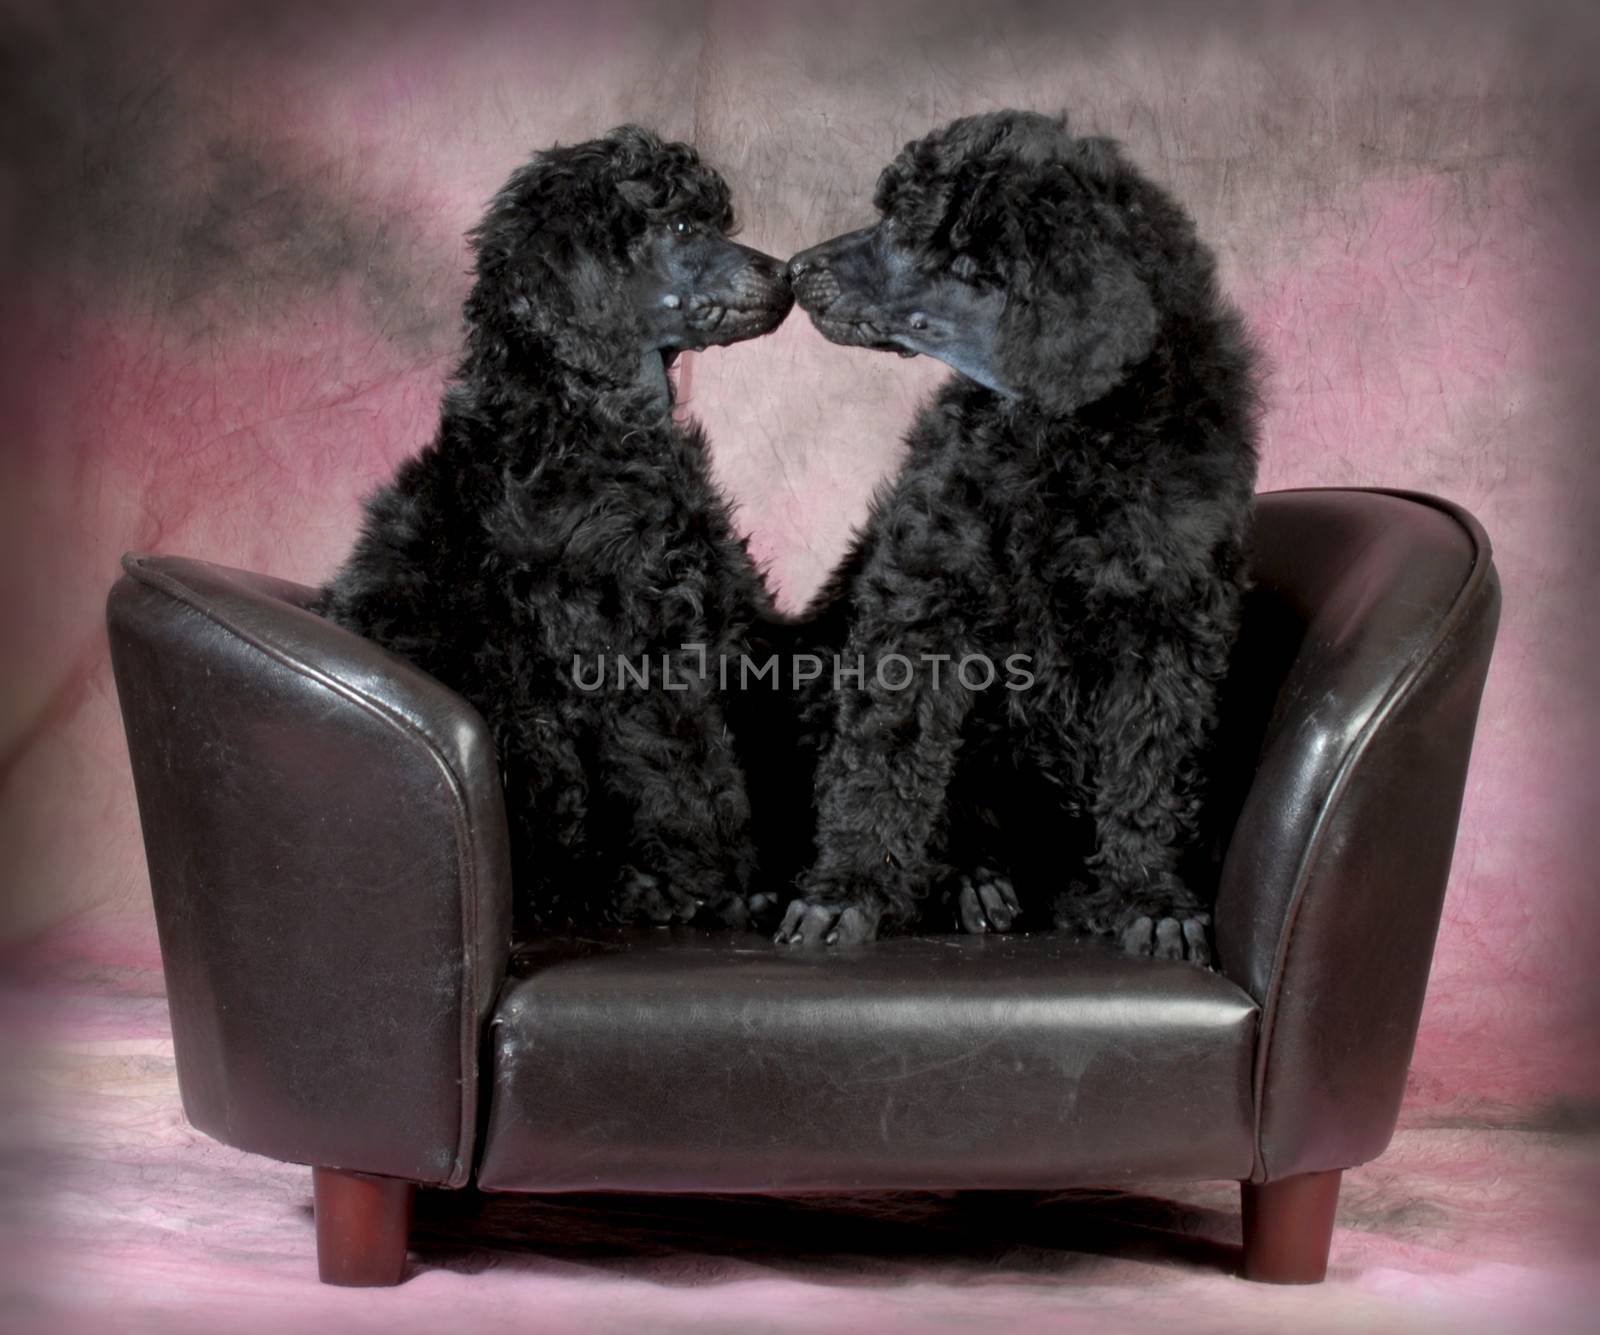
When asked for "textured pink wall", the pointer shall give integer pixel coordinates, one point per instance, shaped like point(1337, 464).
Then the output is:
point(236, 258)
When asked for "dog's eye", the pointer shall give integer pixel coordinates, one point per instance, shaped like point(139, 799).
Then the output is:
point(681, 227)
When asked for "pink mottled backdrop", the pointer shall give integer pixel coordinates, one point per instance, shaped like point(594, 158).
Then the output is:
point(233, 243)
point(232, 249)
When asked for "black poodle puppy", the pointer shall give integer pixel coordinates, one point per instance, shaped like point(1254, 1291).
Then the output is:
point(1045, 598)
point(561, 540)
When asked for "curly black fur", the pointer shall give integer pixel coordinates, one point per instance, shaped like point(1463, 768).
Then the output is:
point(561, 514)
point(1081, 494)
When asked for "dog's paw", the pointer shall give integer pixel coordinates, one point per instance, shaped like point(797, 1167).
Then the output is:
point(806, 923)
point(642, 895)
point(1176, 934)
point(1154, 925)
point(764, 910)
point(985, 901)
point(732, 910)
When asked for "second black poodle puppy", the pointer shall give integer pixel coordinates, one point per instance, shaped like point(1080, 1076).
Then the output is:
point(1054, 581)
point(559, 555)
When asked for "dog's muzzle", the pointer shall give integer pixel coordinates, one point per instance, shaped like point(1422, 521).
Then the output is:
point(816, 289)
point(751, 301)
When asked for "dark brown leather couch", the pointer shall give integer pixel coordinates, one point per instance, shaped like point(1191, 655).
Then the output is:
point(327, 849)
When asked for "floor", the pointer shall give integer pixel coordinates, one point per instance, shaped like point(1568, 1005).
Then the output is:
point(114, 1216)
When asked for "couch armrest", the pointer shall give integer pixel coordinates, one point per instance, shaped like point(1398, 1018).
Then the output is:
point(1374, 616)
point(325, 832)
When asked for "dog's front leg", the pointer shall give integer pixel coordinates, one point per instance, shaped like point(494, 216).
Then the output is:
point(881, 794)
point(1150, 722)
point(670, 762)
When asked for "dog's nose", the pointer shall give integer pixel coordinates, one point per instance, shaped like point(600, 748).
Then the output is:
point(804, 263)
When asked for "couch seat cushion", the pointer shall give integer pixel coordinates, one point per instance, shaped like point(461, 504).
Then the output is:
point(672, 1060)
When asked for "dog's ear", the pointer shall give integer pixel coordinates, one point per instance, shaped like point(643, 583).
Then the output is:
point(544, 290)
point(552, 304)
point(1078, 317)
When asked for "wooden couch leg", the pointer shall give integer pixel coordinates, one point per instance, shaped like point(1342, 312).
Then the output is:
point(362, 1226)
point(1288, 1226)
